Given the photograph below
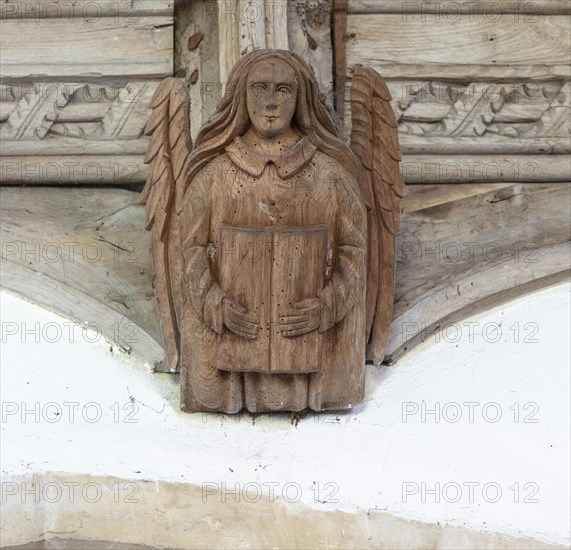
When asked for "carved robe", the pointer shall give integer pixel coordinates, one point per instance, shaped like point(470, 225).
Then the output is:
point(303, 188)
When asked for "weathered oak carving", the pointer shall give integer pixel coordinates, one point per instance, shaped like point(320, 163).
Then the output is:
point(273, 241)
point(511, 110)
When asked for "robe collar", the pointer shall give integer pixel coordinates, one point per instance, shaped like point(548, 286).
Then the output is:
point(287, 164)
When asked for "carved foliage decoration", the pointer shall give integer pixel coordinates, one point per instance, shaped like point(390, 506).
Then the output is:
point(71, 109)
point(518, 110)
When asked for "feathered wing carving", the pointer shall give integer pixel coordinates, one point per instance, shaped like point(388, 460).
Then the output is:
point(374, 139)
point(168, 150)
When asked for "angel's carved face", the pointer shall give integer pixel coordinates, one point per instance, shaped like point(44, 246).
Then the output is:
point(271, 97)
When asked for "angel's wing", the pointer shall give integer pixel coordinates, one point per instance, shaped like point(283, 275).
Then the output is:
point(168, 150)
point(374, 139)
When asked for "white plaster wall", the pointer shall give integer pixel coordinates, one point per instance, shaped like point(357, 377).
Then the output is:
point(388, 454)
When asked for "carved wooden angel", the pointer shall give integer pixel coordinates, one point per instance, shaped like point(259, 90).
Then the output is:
point(273, 241)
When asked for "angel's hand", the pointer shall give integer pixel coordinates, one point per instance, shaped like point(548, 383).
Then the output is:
point(302, 318)
point(239, 320)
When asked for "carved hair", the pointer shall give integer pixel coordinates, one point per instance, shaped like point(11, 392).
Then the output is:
point(312, 115)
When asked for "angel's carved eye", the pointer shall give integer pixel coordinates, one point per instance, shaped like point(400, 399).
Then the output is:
point(257, 90)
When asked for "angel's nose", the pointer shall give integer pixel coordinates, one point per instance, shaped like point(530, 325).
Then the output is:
point(271, 99)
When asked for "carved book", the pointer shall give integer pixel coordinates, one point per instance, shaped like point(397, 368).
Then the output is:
point(268, 270)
